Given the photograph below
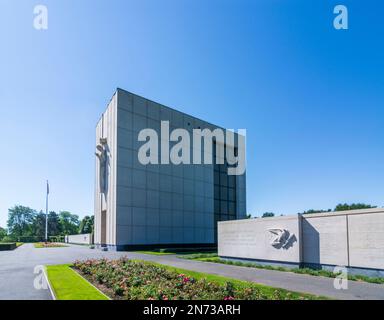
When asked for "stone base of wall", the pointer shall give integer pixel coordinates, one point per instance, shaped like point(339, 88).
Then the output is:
point(284, 264)
point(198, 247)
point(351, 270)
point(84, 239)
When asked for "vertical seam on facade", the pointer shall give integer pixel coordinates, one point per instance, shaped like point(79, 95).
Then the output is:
point(347, 223)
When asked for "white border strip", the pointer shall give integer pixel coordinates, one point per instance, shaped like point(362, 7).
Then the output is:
point(49, 284)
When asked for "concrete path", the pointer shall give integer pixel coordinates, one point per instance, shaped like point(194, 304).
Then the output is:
point(17, 277)
point(17, 268)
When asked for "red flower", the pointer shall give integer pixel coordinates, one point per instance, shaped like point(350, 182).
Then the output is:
point(185, 279)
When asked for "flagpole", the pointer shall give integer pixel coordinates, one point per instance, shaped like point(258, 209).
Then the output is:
point(46, 214)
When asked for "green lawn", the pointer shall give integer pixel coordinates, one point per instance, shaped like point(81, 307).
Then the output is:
point(40, 245)
point(67, 284)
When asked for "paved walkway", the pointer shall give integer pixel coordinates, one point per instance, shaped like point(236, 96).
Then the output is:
point(17, 268)
point(16, 273)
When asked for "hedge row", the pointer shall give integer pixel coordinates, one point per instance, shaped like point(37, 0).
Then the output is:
point(7, 246)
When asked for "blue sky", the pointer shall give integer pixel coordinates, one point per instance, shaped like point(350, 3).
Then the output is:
point(311, 97)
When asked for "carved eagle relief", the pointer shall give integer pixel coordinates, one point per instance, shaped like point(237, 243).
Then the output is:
point(280, 237)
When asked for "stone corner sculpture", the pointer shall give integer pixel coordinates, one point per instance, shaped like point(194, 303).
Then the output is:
point(102, 155)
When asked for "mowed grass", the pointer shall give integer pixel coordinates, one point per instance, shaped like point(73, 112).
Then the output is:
point(67, 284)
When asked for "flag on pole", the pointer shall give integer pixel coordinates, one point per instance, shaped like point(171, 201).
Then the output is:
point(46, 213)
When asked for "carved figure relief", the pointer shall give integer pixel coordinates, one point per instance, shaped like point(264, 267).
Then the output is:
point(102, 154)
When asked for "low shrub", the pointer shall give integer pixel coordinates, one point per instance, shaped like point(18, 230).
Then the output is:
point(199, 255)
point(7, 246)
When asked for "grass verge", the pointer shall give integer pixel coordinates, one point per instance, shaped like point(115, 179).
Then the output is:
point(313, 272)
point(67, 284)
point(156, 253)
point(160, 252)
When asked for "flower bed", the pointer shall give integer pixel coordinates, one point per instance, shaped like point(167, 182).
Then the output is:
point(49, 245)
point(138, 280)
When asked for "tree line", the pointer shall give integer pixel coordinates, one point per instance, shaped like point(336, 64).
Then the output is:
point(27, 223)
point(339, 207)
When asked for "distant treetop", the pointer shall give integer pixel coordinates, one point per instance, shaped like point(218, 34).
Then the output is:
point(339, 207)
point(268, 215)
point(342, 207)
point(310, 211)
point(353, 206)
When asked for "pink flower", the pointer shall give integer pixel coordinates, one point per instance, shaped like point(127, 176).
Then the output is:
point(185, 279)
point(229, 298)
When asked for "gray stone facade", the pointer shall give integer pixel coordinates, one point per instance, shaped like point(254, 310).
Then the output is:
point(157, 204)
point(352, 239)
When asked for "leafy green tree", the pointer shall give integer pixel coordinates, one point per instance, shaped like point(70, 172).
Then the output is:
point(20, 220)
point(86, 225)
point(69, 223)
point(3, 233)
point(342, 207)
point(353, 206)
point(54, 226)
point(38, 225)
point(268, 215)
point(310, 211)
